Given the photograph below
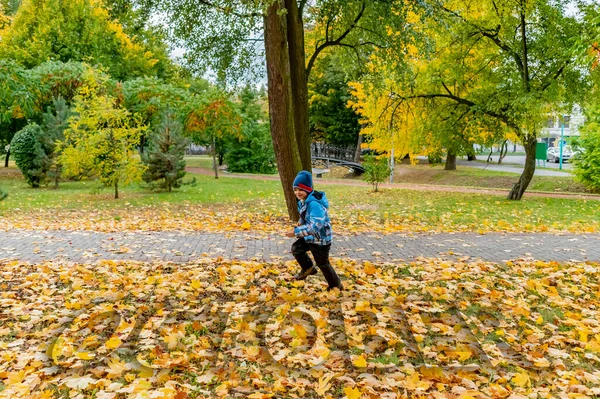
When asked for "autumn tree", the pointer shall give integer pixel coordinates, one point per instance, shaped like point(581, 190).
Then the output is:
point(508, 61)
point(209, 118)
point(102, 139)
point(77, 30)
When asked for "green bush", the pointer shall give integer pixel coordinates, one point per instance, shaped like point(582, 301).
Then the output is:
point(31, 148)
point(3, 194)
point(376, 171)
point(252, 155)
point(587, 161)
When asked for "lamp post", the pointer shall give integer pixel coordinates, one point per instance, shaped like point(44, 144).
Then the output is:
point(562, 132)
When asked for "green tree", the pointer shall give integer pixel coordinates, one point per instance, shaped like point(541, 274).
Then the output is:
point(102, 139)
point(330, 118)
point(55, 123)
point(587, 162)
point(32, 148)
point(164, 157)
point(376, 171)
point(254, 152)
point(77, 30)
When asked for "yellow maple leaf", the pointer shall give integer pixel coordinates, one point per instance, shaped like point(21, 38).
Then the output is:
point(196, 284)
point(352, 393)
point(113, 343)
point(359, 361)
point(116, 368)
point(520, 379)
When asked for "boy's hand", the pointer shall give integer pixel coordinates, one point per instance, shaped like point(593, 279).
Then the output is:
point(288, 234)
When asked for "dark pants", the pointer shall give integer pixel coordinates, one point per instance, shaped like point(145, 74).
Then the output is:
point(300, 250)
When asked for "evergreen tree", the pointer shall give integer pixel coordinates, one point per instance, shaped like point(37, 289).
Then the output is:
point(56, 123)
point(31, 148)
point(164, 156)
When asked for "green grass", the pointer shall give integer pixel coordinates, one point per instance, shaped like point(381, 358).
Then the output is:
point(198, 161)
point(475, 177)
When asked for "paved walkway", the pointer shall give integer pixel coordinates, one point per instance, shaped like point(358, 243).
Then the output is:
point(87, 246)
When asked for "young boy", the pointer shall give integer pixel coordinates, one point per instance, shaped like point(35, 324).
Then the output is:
point(313, 232)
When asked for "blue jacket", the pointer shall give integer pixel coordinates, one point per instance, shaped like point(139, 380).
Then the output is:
point(315, 225)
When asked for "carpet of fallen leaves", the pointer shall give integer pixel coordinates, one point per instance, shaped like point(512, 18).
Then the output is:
point(265, 217)
point(215, 328)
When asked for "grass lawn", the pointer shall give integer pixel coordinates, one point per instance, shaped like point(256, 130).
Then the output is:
point(237, 204)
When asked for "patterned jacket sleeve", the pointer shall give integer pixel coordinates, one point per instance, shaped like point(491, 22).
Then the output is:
point(316, 218)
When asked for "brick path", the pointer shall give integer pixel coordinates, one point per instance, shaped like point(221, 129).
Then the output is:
point(87, 246)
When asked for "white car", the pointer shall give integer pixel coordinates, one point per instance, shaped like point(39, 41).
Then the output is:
point(553, 154)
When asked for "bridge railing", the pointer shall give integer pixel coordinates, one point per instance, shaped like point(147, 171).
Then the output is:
point(323, 150)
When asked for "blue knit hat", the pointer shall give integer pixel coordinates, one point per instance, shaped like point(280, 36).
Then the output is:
point(304, 181)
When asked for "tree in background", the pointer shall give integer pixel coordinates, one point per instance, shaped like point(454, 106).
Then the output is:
point(76, 30)
point(164, 157)
point(330, 118)
point(102, 139)
point(55, 123)
point(32, 149)
point(253, 153)
point(512, 62)
point(377, 169)
point(210, 118)
point(587, 162)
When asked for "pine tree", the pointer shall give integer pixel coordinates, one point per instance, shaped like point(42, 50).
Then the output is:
point(164, 156)
point(56, 122)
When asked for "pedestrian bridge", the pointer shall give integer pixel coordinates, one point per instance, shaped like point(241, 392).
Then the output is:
point(328, 154)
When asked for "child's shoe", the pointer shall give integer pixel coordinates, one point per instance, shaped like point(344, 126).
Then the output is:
point(339, 287)
point(302, 274)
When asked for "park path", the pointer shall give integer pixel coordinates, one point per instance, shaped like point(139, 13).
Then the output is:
point(90, 246)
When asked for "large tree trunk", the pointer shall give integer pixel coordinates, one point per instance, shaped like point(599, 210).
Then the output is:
point(297, 60)
point(450, 160)
point(116, 190)
point(519, 188)
point(281, 110)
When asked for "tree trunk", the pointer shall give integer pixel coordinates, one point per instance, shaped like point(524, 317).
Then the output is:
point(116, 190)
point(299, 87)
point(358, 144)
point(450, 160)
point(519, 188)
point(503, 151)
point(6, 159)
point(471, 154)
point(281, 111)
point(214, 154)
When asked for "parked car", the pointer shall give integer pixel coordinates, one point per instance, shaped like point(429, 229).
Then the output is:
point(553, 154)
